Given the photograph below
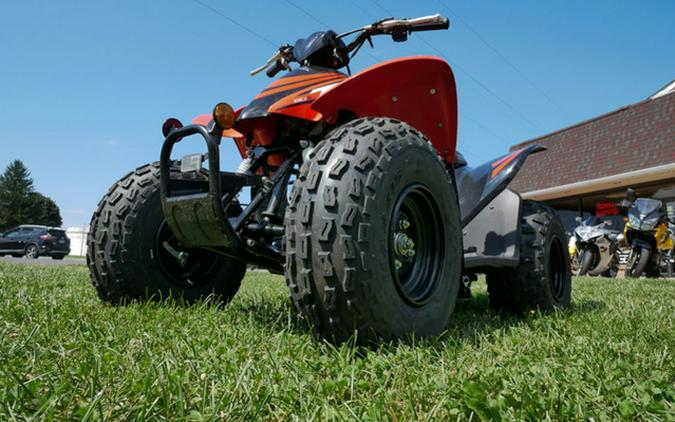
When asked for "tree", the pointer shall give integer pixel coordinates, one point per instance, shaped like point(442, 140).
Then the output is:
point(20, 204)
point(44, 211)
point(16, 187)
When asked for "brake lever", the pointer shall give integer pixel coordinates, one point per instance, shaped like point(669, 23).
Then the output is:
point(267, 64)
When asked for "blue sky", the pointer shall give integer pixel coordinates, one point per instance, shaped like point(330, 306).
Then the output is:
point(86, 85)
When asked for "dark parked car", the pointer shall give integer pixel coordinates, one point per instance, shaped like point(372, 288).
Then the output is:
point(32, 241)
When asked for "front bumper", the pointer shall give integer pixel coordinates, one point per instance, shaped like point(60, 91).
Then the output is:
point(195, 209)
point(196, 204)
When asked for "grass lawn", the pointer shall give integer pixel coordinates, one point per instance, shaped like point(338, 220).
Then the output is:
point(65, 355)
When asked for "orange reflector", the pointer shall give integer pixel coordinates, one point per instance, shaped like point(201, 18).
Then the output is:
point(223, 115)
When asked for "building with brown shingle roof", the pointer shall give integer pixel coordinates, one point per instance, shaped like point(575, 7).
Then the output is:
point(595, 161)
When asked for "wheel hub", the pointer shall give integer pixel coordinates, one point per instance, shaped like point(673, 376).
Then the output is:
point(416, 244)
point(404, 245)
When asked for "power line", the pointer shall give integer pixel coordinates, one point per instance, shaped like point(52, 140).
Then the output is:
point(234, 22)
point(468, 75)
point(485, 128)
point(503, 57)
point(317, 20)
point(481, 84)
point(358, 6)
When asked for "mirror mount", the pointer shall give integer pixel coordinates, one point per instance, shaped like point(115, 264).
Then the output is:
point(630, 194)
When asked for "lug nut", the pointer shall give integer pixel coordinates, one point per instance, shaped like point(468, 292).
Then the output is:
point(404, 245)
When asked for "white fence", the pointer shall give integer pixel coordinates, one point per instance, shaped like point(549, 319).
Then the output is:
point(78, 239)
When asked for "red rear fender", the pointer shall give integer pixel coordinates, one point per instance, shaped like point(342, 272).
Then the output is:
point(417, 90)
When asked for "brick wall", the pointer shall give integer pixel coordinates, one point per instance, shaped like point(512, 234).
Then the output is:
point(639, 136)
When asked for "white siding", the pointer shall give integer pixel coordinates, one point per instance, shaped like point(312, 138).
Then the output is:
point(78, 239)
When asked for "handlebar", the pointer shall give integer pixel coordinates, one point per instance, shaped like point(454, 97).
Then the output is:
point(397, 28)
point(424, 23)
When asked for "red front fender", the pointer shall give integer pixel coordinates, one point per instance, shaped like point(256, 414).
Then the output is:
point(417, 90)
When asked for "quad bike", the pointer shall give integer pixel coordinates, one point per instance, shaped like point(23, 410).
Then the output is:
point(596, 248)
point(649, 237)
point(357, 195)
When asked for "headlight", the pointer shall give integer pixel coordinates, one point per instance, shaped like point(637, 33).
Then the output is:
point(649, 223)
point(583, 234)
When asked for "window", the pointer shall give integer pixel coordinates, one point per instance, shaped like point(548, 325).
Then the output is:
point(12, 234)
point(27, 231)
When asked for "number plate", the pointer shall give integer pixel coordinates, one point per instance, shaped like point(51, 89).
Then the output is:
point(192, 162)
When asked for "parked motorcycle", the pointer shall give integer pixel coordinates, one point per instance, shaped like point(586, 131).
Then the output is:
point(595, 247)
point(649, 237)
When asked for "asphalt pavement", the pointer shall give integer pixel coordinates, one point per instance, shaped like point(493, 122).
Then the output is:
point(44, 260)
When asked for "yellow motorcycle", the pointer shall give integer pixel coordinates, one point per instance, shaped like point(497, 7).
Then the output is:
point(649, 237)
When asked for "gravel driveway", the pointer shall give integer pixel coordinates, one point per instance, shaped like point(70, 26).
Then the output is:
point(45, 260)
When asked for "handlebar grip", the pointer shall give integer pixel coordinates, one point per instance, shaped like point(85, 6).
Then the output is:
point(424, 23)
point(426, 20)
point(272, 71)
point(443, 24)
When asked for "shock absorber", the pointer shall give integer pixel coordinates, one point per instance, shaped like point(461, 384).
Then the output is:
point(245, 164)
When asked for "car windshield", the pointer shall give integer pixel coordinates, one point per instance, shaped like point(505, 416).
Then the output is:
point(647, 205)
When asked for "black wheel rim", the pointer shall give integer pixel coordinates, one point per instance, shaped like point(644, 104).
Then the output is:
point(197, 269)
point(558, 275)
point(416, 244)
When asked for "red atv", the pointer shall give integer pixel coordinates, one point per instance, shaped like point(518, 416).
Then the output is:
point(357, 195)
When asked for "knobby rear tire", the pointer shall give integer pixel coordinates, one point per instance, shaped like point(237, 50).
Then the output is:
point(543, 278)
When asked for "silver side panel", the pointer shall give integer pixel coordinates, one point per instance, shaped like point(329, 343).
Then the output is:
point(491, 239)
